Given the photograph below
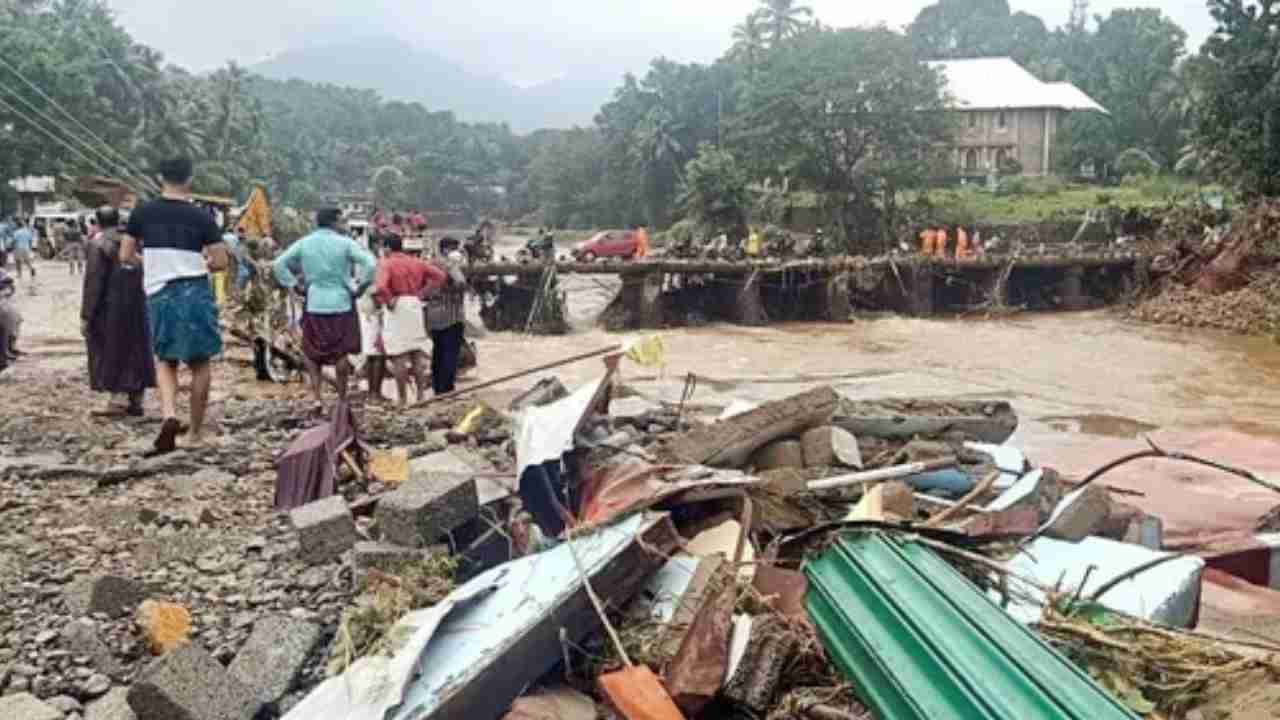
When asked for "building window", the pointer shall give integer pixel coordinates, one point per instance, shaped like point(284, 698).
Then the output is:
point(1001, 121)
point(971, 160)
point(973, 120)
point(1001, 159)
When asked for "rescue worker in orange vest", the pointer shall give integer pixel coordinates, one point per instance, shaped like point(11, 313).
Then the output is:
point(940, 242)
point(964, 251)
point(926, 241)
point(642, 241)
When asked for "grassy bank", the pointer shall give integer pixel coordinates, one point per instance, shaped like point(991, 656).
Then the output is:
point(1035, 199)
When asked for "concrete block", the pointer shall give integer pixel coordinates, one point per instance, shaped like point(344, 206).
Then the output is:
point(426, 508)
point(80, 637)
point(325, 528)
point(1080, 514)
point(112, 706)
point(778, 455)
point(387, 557)
point(110, 594)
point(189, 684)
point(25, 706)
point(273, 657)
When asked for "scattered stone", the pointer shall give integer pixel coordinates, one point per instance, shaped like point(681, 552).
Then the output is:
point(730, 443)
point(81, 637)
point(427, 507)
point(325, 528)
point(165, 626)
point(65, 704)
point(27, 707)
point(272, 659)
point(1080, 514)
point(97, 684)
point(112, 706)
point(780, 454)
point(844, 445)
point(189, 684)
point(387, 557)
point(110, 594)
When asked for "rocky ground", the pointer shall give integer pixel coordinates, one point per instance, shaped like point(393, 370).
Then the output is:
point(77, 500)
point(1253, 309)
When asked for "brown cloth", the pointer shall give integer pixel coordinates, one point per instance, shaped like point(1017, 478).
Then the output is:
point(113, 308)
point(328, 338)
point(308, 470)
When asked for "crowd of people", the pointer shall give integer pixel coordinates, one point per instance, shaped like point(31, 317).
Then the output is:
point(150, 305)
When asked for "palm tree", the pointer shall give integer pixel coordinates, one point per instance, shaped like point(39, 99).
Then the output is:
point(784, 18)
point(748, 39)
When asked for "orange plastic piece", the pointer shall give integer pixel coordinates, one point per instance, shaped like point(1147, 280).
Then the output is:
point(637, 694)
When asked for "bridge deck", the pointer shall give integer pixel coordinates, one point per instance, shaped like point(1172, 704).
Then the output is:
point(835, 265)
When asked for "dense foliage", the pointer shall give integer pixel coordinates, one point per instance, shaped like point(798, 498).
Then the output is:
point(852, 117)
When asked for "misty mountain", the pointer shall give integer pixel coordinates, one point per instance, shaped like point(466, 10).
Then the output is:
point(400, 71)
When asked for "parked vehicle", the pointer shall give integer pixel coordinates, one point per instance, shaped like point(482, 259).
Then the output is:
point(608, 244)
point(540, 247)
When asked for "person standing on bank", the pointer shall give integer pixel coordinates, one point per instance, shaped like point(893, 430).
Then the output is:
point(330, 324)
point(403, 280)
point(445, 319)
point(113, 321)
point(179, 245)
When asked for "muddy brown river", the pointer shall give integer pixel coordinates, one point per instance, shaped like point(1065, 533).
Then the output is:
point(1070, 376)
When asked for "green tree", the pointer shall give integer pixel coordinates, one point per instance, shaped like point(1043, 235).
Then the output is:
point(784, 19)
point(952, 29)
point(715, 194)
point(749, 43)
point(1237, 132)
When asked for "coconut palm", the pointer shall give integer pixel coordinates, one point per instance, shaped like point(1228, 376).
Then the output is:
point(749, 39)
point(783, 18)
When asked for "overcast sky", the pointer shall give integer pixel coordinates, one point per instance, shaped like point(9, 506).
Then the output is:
point(521, 40)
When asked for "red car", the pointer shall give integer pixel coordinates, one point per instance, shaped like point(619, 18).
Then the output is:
point(608, 244)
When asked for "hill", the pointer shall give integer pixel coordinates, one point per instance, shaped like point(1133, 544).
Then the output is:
point(399, 71)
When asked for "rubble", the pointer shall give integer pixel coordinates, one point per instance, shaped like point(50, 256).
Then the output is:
point(424, 509)
point(28, 707)
point(108, 594)
point(112, 706)
point(273, 658)
point(778, 455)
point(1080, 514)
point(325, 528)
point(188, 684)
point(729, 443)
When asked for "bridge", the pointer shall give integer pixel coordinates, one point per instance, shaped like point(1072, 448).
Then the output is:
point(757, 292)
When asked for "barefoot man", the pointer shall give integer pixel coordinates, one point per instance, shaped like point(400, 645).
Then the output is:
point(331, 262)
point(402, 281)
point(179, 245)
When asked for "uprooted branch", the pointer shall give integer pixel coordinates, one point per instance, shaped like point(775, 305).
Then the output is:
point(1156, 451)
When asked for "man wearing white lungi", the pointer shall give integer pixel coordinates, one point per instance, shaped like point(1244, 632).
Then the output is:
point(402, 282)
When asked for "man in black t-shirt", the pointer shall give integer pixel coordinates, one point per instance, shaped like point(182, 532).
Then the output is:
point(175, 239)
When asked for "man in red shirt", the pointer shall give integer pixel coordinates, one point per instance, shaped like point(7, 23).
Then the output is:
point(402, 281)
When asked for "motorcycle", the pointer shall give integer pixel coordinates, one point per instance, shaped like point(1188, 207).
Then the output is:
point(540, 248)
point(478, 249)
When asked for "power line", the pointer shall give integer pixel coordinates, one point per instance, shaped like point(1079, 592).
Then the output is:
point(118, 157)
point(84, 145)
point(21, 115)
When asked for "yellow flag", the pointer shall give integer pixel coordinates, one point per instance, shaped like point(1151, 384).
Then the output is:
point(648, 351)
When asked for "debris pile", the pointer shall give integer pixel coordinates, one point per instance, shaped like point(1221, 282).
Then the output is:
point(1226, 281)
point(587, 552)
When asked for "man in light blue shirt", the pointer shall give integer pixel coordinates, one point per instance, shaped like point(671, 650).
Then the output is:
point(337, 270)
point(23, 240)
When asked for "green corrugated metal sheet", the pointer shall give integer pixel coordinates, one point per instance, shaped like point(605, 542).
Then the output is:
point(921, 642)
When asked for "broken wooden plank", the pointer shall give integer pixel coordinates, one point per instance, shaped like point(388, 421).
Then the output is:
point(729, 443)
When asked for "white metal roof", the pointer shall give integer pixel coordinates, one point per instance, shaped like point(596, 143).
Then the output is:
point(1001, 83)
